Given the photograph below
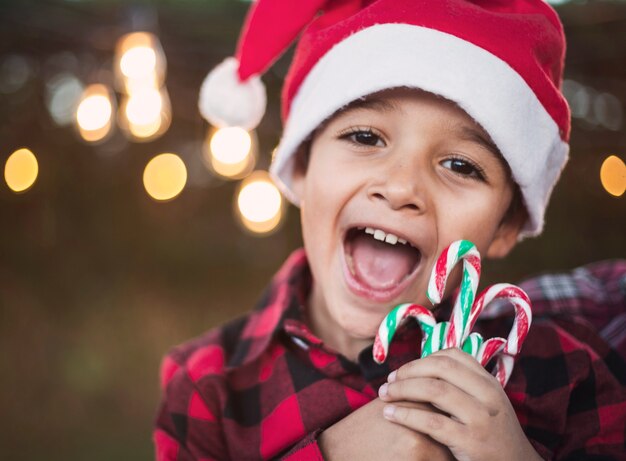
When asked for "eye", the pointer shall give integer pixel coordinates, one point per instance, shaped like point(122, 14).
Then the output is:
point(363, 137)
point(464, 167)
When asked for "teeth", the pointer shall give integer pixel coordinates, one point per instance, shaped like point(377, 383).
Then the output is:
point(390, 238)
point(379, 235)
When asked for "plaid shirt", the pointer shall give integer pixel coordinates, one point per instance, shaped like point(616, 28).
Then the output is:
point(264, 386)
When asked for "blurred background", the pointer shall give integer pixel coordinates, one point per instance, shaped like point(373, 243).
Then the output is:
point(111, 252)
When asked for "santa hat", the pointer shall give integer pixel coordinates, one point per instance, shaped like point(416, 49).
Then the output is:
point(501, 61)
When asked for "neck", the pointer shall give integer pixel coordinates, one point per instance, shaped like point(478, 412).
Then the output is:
point(329, 331)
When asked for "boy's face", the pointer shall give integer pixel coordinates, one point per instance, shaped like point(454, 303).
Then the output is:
point(411, 166)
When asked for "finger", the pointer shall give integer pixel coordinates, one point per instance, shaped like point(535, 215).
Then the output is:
point(451, 366)
point(440, 427)
point(463, 357)
point(438, 392)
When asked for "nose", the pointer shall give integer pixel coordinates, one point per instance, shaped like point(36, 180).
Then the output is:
point(401, 188)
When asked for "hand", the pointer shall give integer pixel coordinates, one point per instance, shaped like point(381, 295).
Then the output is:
point(478, 422)
point(366, 435)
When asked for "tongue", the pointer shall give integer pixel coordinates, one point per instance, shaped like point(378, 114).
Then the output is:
point(379, 264)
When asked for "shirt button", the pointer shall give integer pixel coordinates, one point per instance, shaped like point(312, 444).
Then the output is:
point(299, 342)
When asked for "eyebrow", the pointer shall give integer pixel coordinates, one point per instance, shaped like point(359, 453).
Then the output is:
point(382, 105)
point(471, 134)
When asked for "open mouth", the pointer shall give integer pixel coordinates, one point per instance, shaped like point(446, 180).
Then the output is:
point(379, 264)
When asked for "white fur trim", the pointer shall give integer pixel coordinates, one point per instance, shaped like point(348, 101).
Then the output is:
point(226, 101)
point(487, 88)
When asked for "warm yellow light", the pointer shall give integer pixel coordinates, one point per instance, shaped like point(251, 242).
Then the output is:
point(144, 107)
point(259, 203)
point(229, 153)
point(230, 145)
point(94, 110)
point(146, 130)
point(21, 170)
point(93, 115)
point(135, 40)
point(233, 170)
point(132, 86)
point(613, 175)
point(138, 62)
point(95, 135)
point(165, 176)
point(145, 115)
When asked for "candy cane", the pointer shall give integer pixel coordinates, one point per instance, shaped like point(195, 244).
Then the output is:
point(505, 350)
point(457, 251)
point(394, 319)
point(467, 308)
point(433, 341)
point(436, 340)
point(472, 344)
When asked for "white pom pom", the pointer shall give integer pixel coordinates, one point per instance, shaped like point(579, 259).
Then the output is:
point(226, 101)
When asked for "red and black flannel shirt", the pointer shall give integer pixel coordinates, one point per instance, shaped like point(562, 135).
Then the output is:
point(263, 386)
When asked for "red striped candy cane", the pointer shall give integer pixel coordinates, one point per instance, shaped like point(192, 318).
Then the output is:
point(467, 252)
point(392, 322)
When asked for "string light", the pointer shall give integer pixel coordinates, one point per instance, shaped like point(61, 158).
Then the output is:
point(613, 175)
point(144, 107)
point(140, 62)
point(145, 112)
point(63, 92)
point(93, 115)
point(165, 176)
point(21, 170)
point(259, 204)
point(229, 153)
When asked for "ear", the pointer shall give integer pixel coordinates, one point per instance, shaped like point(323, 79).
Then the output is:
point(506, 236)
point(299, 170)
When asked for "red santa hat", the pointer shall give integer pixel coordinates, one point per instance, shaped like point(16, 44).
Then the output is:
point(500, 60)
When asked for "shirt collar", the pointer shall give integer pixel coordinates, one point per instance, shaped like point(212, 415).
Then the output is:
point(283, 299)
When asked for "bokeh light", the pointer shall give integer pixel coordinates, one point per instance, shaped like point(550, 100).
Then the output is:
point(15, 71)
point(144, 107)
point(145, 111)
point(93, 115)
point(140, 62)
point(608, 111)
point(613, 175)
point(259, 204)
point(145, 114)
point(165, 176)
point(231, 144)
point(63, 92)
point(229, 152)
point(21, 170)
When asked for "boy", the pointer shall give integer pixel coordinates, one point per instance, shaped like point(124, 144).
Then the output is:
point(408, 125)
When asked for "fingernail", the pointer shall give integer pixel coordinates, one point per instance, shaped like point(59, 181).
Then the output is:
point(389, 411)
point(392, 376)
point(382, 391)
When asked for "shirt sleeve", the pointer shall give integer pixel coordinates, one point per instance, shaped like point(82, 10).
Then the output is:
point(307, 449)
point(187, 426)
point(571, 406)
point(596, 414)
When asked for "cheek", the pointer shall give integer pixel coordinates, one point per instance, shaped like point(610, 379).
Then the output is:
point(329, 185)
point(475, 221)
